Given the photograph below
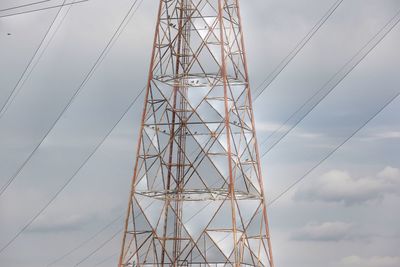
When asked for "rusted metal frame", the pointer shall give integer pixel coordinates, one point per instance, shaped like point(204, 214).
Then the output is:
point(226, 236)
point(134, 227)
point(161, 118)
point(148, 249)
point(149, 138)
point(138, 147)
point(208, 224)
point(203, 39)
point(171, 41)
point(151, 143)
point(133, 222)
point(148, 221)
point(180, 22)
point(247, 225)
point(161, 39)
point(207, 126)
point(200, 48)
point(232, 29)
point(205, 155)
point(241, 122)
point(191, 238)
point(182, 138)
point(232, 32)
point(240, 140)
point(216, 244)
point(271, 259)
point(171, 139)
point(236, 34)
point(138, 249)
point(227, 126)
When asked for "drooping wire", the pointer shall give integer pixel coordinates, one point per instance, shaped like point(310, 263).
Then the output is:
point(305, 175)
point(387, 103)
point(100, 59)
point(291, 186)
point(18, 85)
point(86, 241)
point(121, 26)
point(105, 260)
point(331, 84)
point(295, 51)
point(43, 8)
point(99, 247)
point(109, 239)
point(24, 5)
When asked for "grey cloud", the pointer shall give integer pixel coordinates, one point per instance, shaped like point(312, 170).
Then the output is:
point(339, 186)
point(60, 224)
point(376, 261)
point(327, 231)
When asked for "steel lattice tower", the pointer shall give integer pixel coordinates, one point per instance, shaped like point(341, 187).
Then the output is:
point(197, 194)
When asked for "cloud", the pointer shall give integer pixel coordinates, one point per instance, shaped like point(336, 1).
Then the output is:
point(60, 224)
point(340, 186)
point(383, 136)
point(357, 261)
point(327, 231)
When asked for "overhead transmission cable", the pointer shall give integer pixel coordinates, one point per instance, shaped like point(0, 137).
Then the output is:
point(291, 55)
point(122, 26)
point(24, 5)
point(327, 156)
point(21, 81)
point(387, 103)
point(105, 260)
point(333, 82)
point(302, 43)
point(108, 240)
point(295, 51)
point(43, 8)
point(305, 175)
point(86, 241)
point(87, 77)
point(99, 247)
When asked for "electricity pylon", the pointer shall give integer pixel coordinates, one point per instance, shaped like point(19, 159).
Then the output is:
point(197, 194)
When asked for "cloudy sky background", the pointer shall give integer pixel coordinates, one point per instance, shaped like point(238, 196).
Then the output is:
point(344, 214)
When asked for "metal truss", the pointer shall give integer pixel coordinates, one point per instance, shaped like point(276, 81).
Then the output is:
point(197, 194)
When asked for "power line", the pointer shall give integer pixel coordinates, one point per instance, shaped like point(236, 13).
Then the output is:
point(85, 241)
point(25, 5)
point(67, 182)
point(105, 260)
point(302, 177)
point(11, 96)
point(387, 103)
point(99, 247)
point(109, 239)
point(92, 153)
point(103, 54)
point(288, 59)
point(273, 201)
point(341, 74)
point(43, 8)
point(295, 51)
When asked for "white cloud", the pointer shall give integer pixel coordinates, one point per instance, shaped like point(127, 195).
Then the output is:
point(327, 231)
point(267, 127)
point(357, 261)
point(340, 186)
point(383, 135)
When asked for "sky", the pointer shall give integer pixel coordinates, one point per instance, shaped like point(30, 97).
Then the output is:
point(342, 214)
